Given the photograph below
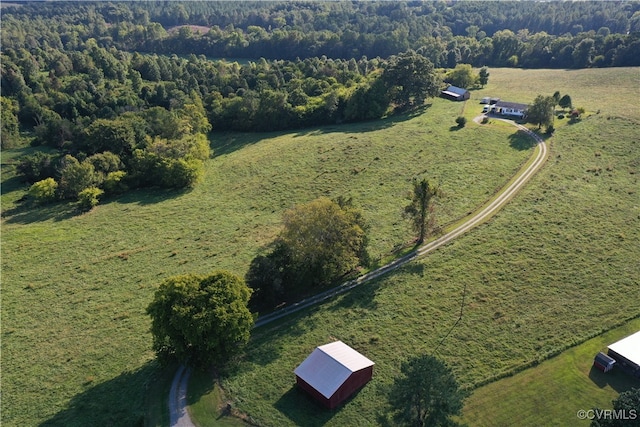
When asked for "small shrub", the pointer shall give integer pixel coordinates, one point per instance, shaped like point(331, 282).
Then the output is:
point(461, 121)
point(561, 116)
point(550, 130)
point(44, 191)
point(485, 120)
point(115, 182)
point(88, 198)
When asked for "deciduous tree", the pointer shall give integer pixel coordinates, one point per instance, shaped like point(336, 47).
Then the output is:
point(89, 198)
point(410, 79)
point(626, 408)
point(565, 102)
point(426, 394)
point(483, 76)
point(44, 191)
point(75, 176)
point(541, 111)
point(462, 76)
point(326, 240)
point(421, 210)
point(200, 319)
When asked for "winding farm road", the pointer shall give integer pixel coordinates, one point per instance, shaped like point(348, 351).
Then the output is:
point(177, 396)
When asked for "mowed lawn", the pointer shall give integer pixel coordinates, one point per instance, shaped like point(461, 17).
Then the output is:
point(76, 348)
point(552, 393)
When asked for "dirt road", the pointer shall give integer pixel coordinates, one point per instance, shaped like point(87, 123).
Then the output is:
point(177, 395)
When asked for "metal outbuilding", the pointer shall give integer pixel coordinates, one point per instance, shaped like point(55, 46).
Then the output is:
point(626, 352)
point(603, 362)
point(333, 372)
point(455, 93)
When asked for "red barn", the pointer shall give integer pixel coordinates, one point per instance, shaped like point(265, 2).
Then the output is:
point(333, 372)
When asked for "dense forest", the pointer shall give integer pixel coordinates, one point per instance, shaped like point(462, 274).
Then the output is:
point(123, 94)
point(527, 34)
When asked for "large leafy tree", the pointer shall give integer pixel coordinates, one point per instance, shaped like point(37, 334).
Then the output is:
point(200, 319)
point(116, 136)
point(325, 239)
point(321, 242)
point(541, 111)
point(425, 394)
point(565, 102)
point(421, 210)
point(410, 79)
point(75, 176)
point(462, 76)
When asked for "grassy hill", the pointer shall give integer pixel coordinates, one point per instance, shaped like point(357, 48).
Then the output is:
point(75, 341)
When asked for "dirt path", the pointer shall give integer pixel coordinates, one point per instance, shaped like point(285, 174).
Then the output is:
point(178, 415)
point(177, 395)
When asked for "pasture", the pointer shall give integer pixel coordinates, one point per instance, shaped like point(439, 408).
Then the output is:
point(75, 340)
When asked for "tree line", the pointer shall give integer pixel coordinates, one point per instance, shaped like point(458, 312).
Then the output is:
point(113, 120)
point(532, 34)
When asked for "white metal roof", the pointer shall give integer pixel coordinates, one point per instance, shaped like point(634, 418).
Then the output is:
point(628, 347)
point(455, 90)
point(329, 366)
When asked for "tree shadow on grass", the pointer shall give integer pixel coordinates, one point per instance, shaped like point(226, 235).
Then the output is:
point(224, 143)
point(15, 183)
point(521, 141)
point(617, 379)
point(362, 297)
point(267, 337)
point(119, 401)
point(149, 196)
point(365, 126)
point(28, 214)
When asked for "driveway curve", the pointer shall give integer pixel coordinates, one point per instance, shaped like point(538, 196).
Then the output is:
point(177, 396)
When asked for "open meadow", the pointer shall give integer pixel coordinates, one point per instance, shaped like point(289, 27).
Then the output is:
point(558, 265)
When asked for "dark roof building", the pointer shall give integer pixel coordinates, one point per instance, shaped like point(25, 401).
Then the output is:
point(514, 109)
point(333, 372)
point(455, 93)
point(626, 352)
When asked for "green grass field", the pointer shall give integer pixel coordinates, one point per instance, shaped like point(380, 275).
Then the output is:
point(75, 340)
point(551, 393)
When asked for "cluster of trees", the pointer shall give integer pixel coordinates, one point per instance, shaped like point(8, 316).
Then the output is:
point(542, 111)
point(533, 35)
point(153, 147)
point(206, 319)
point(464, 76)
point(321, 242)
point(114, 120)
